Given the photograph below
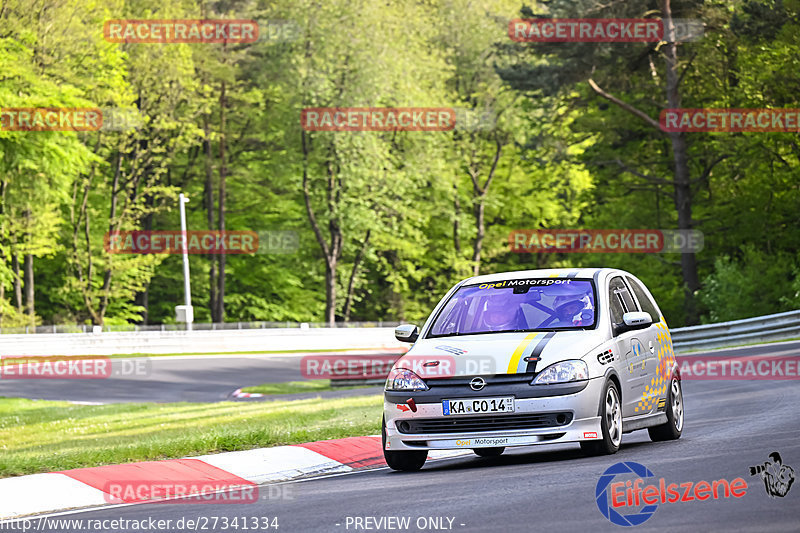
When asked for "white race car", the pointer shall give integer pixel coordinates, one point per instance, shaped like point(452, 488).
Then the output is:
point(533, 357)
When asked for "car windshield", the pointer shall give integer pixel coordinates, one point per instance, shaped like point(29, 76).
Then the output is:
point(517, 305)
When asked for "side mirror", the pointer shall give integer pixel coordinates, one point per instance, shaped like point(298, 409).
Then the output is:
point(406, 333)
point(633, 321)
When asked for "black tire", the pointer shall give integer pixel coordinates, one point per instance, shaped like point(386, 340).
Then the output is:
point(674, 427)
point(407, 461)
point(489, 452)
point(610, 423)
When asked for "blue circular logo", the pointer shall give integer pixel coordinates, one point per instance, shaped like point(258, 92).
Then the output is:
point(604, 501)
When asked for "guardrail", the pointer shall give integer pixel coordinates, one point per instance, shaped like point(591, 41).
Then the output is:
point(780, 326)
point(197, 326)
point(190, 342)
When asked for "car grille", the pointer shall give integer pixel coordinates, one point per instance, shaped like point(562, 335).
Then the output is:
point(497, 379)
point(483, 423)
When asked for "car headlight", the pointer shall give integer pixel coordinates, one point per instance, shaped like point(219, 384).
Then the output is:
point(401, 379)
point(563, 372)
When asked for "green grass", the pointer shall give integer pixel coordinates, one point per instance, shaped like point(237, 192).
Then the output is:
point(293, 387)
point(43, 436)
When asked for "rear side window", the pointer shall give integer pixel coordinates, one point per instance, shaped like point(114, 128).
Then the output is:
point(648, 306)
point(620, 299)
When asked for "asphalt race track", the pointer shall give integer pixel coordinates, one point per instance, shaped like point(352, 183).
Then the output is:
point(202, 378)
point(212, 378)
point(730, 426)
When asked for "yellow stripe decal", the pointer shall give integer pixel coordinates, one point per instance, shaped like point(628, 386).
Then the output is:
point(514, 363)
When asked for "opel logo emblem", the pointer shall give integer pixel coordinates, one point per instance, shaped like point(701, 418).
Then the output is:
point(477, 383)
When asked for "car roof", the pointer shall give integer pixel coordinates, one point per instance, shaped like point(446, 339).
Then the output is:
point(592, 273)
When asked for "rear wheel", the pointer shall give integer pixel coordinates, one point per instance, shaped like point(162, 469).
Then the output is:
point(610, 424)
point(489, 452)
point(674, 426)
point(402, 460)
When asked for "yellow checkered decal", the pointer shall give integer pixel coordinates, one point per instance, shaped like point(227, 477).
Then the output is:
point(666, 359)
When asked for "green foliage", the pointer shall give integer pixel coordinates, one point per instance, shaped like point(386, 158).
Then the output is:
point(567, 157)
point(754, 283)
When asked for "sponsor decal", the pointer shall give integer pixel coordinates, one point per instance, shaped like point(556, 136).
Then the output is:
point(590, 435)
point(605, 357)
point(377, 119)
point(493, 441)
point(730, 120)
point(761, 367)
point(631, 501)
point(524, 283)
point(777, 477)
point(180, 31)
point(451, 349)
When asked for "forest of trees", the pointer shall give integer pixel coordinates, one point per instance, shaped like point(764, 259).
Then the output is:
point(563, 135)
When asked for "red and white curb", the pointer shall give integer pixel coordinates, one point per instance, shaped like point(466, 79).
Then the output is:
point(89, 487)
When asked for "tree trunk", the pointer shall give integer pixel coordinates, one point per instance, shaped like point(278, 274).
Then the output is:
point(221, 217)
point(683, 192)
point(479, 193)
point(17, 280)
point(331, 252)
point(456, 219)
point(480, 226)
point(209, 201)
point(353, 273)
point(143, 298)
point(29, 294)
point(3, 244)
point(330, 292)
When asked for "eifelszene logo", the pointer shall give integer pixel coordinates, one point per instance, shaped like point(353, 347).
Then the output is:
point(641, 501)
point(778, 477)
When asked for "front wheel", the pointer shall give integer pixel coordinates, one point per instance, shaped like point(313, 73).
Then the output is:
point(407, 461)
point(674, 426)
point(610, 424)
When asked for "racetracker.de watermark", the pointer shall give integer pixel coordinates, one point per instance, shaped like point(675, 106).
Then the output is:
point(201, 242)
point(605, 241)
point(224, 491)
point(71, 367)
point(723, 120)
point(758, 367)
point(433, 366)
point(69, 119)
point(180, 31)
point(597, 30)
point(378, 119)
point(347, 366)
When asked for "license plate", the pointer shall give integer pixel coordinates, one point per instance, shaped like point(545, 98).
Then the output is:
point(478, 406)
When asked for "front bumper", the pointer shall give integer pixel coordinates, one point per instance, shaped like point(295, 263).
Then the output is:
point(584, 423)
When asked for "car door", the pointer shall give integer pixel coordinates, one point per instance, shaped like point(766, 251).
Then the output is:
point(653, 389)
point(633, 365)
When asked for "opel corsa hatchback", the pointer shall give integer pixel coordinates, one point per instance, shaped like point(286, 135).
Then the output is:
point(533, 357)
